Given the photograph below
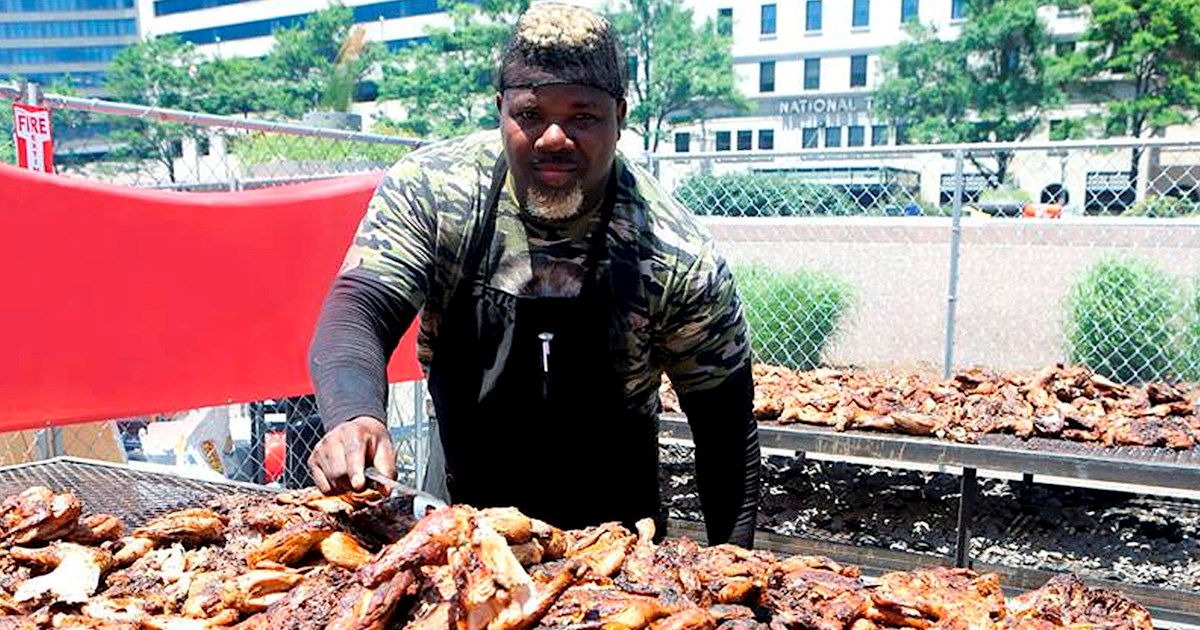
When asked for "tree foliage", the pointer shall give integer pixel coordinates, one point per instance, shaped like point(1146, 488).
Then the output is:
point(1144, 56)
point(302, 66)
point(445, 85)
point(991, 84)
point(683, 70)
point(160, 72)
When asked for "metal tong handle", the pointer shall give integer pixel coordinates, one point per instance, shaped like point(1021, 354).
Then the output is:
point(423, 502)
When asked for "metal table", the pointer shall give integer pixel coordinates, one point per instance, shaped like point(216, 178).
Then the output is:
point(1158, 470)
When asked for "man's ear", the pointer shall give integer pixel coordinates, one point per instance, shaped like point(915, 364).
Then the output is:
point(499, 102)
point(622, 108)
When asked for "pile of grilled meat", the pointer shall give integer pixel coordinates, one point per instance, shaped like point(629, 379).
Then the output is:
point(353, 561)
point(1067, 402)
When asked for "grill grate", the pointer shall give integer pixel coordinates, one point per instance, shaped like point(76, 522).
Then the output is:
point(135, 496)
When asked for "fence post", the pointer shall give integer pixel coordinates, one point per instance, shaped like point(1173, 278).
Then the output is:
point(955, 242)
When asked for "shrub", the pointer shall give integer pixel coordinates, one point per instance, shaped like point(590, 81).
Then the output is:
point(1191, 352)
point(762, 195)
point(792, 315)
point(1123, 321)
point(1163, 207)
point(263, 148)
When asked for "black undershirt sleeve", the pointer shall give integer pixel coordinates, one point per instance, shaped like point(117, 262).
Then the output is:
point(361, 322)
point(727, 457)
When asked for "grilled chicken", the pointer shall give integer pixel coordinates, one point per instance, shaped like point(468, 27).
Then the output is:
point(76, 574)
point(38, 515)
point(191, 527)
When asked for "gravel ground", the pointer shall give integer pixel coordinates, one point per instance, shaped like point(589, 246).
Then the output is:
point(1146, 540)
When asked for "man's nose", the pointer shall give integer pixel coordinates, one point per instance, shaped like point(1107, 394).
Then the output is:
point(553, 138)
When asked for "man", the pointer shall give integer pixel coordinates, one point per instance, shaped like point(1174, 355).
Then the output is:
point(556, 282)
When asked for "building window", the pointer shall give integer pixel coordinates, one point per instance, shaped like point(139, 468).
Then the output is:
point(766, 76)
point(901, 134)
point(909, 10)
point(957, 9)
point(745, 139)
point(722, 140)
point(858, 71)
point(812, 73)
point(808, 138)
point(725, 22)
point(768, 19)
point(879, 135)
point(766, 139)
point(833, 136)
point(683, 142)
point(856, 136)
point(812, 15)
point(1064, 49)
point(862, 14)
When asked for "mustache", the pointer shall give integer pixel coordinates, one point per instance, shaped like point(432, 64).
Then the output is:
point(556, 159)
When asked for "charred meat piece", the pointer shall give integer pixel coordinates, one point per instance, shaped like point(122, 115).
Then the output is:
point(76, 575)
point(38, 515)
point(1066, 601)
point(593, 605)
point(344, 503)
point(191, 527)
point(310, 604)
point(602, 548)
point(97, 528)
point(289, 545)
point(816, 592)
point(938, 597)
point(729, 574)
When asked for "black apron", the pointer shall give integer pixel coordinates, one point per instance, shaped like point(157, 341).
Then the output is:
point(530, 409)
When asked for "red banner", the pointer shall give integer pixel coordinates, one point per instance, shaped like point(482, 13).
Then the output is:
point(34, 137)
point(120, 302)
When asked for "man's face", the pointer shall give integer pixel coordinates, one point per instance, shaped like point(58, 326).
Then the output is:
point(560, 141)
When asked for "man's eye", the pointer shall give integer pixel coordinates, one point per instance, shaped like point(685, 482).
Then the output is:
point(527, 115)
point(586, 117)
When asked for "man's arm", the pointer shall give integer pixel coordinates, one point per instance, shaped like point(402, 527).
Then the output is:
point(727, 456)
point(707, 353)
point(361, 322)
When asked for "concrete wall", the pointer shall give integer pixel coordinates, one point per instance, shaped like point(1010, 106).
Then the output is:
point(1014, 276)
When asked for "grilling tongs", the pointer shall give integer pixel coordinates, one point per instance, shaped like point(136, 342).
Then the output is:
point(423, 502)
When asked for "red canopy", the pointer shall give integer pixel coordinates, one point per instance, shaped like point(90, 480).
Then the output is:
point(121, 301)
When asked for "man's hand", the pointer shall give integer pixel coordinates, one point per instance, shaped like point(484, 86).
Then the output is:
point(341, 456)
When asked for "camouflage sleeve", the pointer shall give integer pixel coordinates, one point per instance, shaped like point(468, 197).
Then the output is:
point(396, 239)
point(704, 338)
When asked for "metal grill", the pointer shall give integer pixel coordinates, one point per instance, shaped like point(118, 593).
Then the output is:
point(133, 495)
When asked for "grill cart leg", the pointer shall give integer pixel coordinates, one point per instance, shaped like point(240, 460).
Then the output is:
point(966, 511)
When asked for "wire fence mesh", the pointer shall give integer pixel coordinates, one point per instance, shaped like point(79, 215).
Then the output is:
point(932, 258)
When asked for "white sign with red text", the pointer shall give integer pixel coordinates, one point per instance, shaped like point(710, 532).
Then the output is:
point(32, 132)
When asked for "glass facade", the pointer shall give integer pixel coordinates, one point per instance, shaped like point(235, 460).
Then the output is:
point(263, 28)
point(812, 15)
point(69, 54)
point(768, 19)
point(858, 71)
point(35, 6)
point(167, 7)
point(862, 14)
point(812, 73)
point(725, 21)
point(766, 139)
point(75, 79)
point(67, 28)
point(766, 76)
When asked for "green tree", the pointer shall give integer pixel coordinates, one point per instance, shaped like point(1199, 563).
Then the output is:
point(445, 84)
point(232, 86)
point(160, 72)
point(992, 83)
point(1152, 49)
point(302, 66)
point(683, 70)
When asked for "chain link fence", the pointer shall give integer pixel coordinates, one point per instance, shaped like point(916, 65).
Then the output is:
point(929, 258)
point(1008, 256)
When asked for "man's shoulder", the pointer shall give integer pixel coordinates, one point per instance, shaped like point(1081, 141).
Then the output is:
point(669, 228)
point(449, 160)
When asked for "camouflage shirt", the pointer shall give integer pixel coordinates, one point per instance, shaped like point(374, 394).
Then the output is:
point(676, 308)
